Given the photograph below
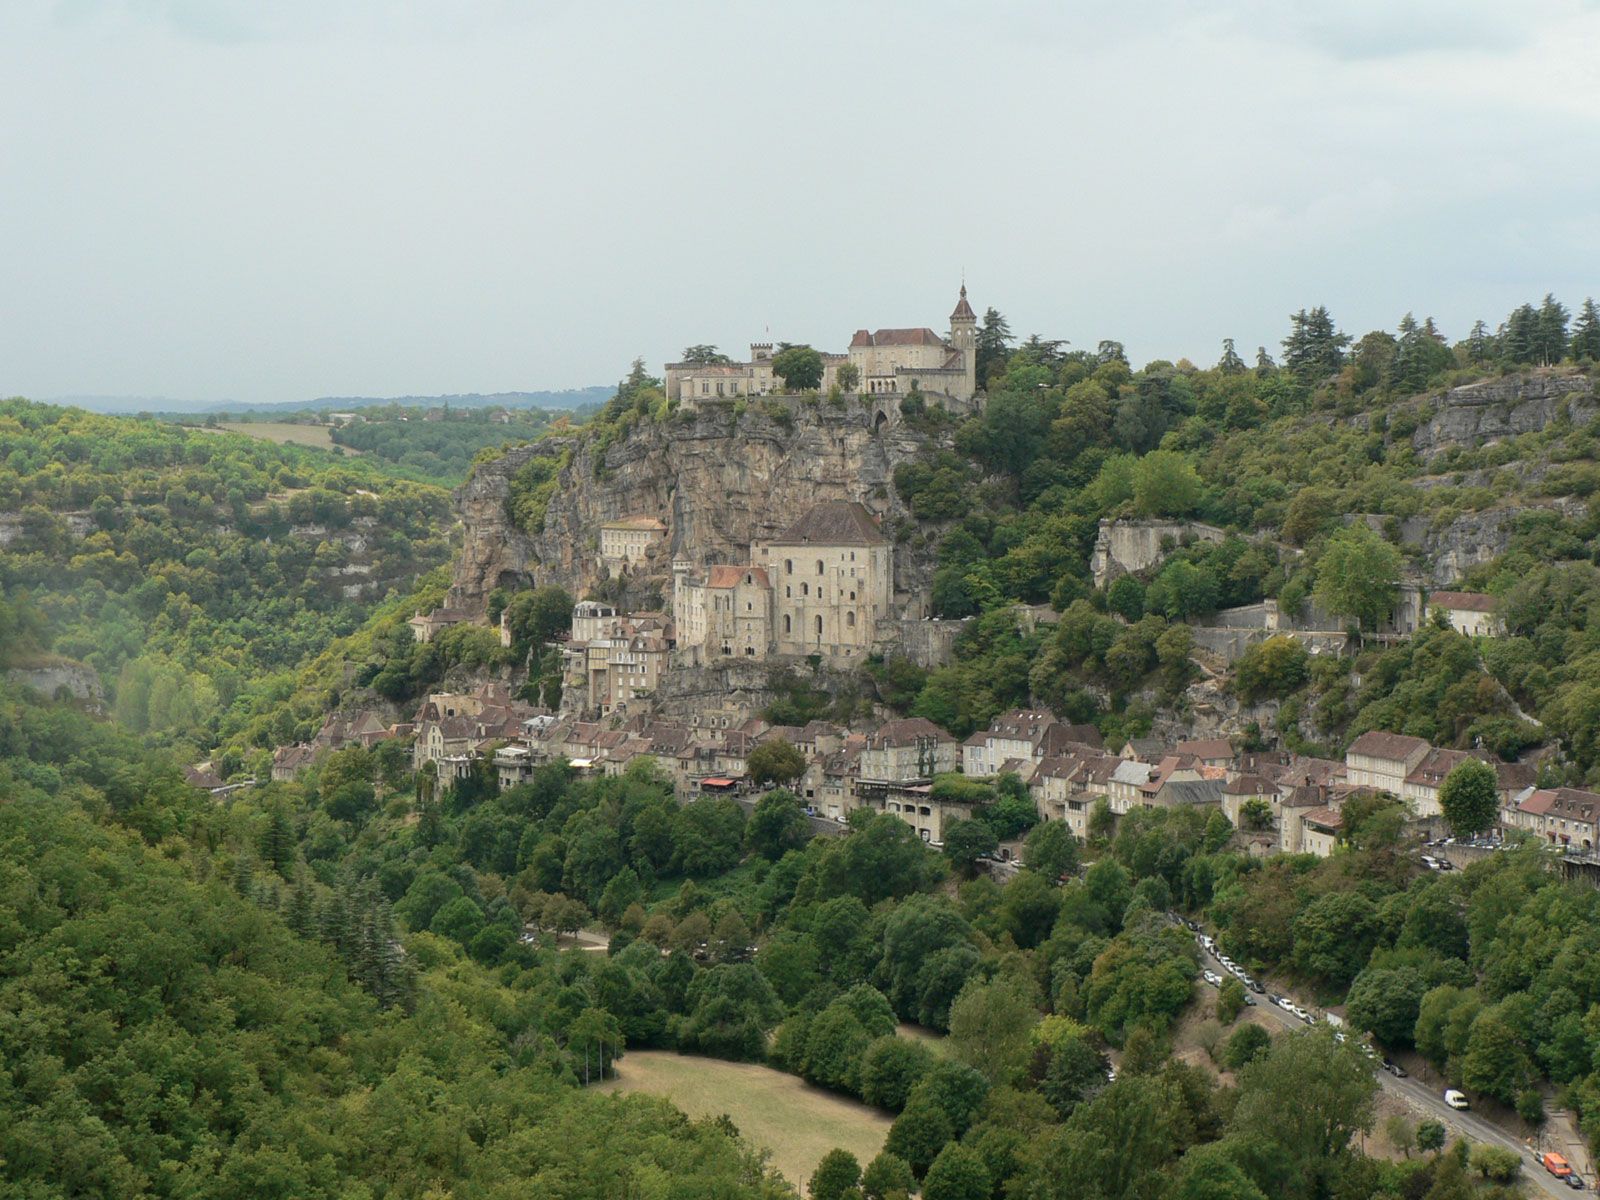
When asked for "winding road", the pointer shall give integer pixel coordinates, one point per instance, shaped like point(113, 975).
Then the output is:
point(1422, 1097)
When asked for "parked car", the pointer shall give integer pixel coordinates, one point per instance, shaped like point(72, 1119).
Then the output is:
point(1394, 1069)
point(1556, 1164)
point(1446, 865)
point(1213, 978)
point(1249, 1000)
point(1254, 987)
point(1575, 1182)
point(1456, 1100)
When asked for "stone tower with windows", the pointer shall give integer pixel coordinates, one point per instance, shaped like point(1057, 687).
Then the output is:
point(964, 337)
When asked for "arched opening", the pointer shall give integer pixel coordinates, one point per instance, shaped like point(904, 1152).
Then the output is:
point(820, 569)
point(850, 620)
point(819, 628)
point(880, 422)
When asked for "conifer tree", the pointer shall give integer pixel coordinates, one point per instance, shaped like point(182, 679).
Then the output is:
point(1550, 339)
point(277, 840)
point(1230, 363)
point(1585, 342)
point(1314, 348)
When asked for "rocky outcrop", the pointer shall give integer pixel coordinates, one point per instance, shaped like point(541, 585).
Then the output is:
point(1487, 411)
point(61, 677)
point(718, 478)
point(1449, 550)
point(1126, 547)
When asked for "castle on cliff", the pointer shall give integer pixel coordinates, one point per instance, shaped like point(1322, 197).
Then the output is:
point(883, 362)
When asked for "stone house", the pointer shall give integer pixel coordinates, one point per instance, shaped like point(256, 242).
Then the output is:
point(910, 749)
point(629, 540)
point(1382, 760)
point(1469, 613)
point(1565, 817)
point(426, 626)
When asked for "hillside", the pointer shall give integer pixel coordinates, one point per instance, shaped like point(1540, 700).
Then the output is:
point(194, 571)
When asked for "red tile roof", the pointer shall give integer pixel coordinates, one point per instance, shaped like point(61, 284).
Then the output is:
point(1396, 747)
point(897, 337)
point(732, 576)
point(1462, 601)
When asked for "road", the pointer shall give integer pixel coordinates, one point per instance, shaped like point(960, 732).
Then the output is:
point(1422, 1097)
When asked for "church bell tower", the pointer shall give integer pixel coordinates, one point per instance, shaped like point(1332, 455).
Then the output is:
point(964, 337)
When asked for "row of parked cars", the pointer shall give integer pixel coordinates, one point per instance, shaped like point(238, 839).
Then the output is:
point(1437, 864)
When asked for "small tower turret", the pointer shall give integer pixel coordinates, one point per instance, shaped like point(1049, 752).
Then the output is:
point(964, 337)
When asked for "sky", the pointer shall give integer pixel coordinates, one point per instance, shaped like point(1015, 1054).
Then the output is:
point(228, 199)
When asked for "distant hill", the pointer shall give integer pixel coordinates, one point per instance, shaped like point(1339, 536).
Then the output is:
point(571, 398)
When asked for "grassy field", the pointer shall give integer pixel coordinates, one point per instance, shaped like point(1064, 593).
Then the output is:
point(285, 432)
point(798, 1123)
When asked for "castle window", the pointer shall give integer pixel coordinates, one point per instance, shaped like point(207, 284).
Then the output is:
point(788, 592)
point(805, 589)
point(788, 566)
point(850, 620)
point(705, 388)
point(852, 595)
point(786, 627)
point(819, 627)
point(820, 569)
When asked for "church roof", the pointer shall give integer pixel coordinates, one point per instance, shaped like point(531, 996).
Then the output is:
point(833, 523)
point(732, 576)
point(963, 309)
point(897, 337)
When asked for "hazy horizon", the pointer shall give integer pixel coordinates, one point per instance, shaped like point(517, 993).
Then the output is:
point(211, 200)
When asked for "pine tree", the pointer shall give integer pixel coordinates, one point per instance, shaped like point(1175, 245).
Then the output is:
point(1551, 337)
point(277, 841)
point(1480, 345)
point(1264, 364)
point(1314, 348)
point(1230, 363)
point(1585, 342)
point(244, 875)
point(301, 917)
point(993, 341)
point(1519, 336)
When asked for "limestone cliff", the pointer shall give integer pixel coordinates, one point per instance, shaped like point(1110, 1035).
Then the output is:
point(1478, 413)
point(719, 478)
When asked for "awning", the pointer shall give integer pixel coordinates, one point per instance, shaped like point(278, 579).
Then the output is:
point(718, 782)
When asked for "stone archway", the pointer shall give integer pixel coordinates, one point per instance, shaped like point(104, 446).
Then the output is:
point(879, 421)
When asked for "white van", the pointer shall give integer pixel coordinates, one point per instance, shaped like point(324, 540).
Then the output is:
point(1455, 1099)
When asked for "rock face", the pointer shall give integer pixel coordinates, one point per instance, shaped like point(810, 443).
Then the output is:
point(1498, 408)
point(717, 478)
point(1127, 547)
point(1472, 538)
point(77, 679)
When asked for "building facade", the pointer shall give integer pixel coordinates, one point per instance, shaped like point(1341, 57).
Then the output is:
point(885, 361)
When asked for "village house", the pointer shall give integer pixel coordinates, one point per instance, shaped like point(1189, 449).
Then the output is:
point(1016, 737)
point(1564, 817)
point(1468, 613)
point(1211, 752)
point(610, 659)
point(629, 540)
point(1382, 760)
point(427, 626)
point(912, 749)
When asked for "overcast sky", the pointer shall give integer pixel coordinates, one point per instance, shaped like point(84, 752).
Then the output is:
point(211, 199)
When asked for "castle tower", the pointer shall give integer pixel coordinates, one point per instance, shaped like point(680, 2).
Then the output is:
point(964, 337)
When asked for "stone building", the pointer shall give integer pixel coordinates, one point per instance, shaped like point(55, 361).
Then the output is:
point(1382, 760)
point(723, 612)
point(612, 659)
point(832, 581)
point(886, 361)
point(627, 541)
point(1469, 613)
point(912, 749)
